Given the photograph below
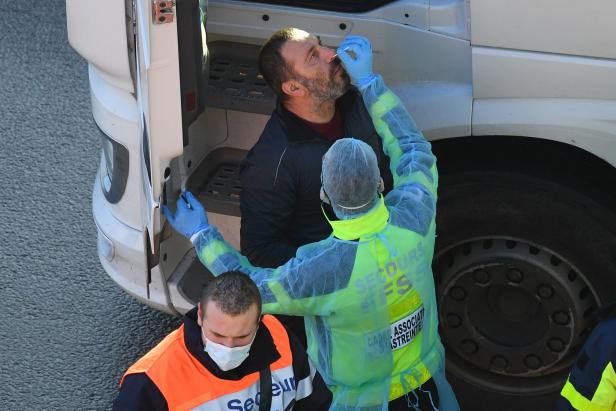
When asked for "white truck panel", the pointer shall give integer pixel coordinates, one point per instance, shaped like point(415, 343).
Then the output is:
point(116, 113)
point(587, 124)
point(501, 73)
point(128, 267)
point(450, 17)
point(584, 28)
point(245, 20)
point(97, 31)
point(425, 102)
point(159, 95)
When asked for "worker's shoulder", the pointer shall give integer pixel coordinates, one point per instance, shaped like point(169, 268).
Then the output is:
point(407, 197)
point(137, 390)
point(411, 207)
point(164, 353)
point(601, 343)
point(605, 332)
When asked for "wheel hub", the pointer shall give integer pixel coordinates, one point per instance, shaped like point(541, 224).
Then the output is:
point(510, 308)
point(507, 315)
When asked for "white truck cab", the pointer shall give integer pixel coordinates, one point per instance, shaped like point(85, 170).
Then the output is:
point(518, 98)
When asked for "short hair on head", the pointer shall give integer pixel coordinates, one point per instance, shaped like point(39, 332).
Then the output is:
point(272, 65)
point(233, 292)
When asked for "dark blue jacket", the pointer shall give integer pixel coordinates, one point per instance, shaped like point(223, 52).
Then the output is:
point(592, 382)
point(281, 179)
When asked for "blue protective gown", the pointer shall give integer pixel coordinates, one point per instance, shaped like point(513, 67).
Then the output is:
point(367, 291)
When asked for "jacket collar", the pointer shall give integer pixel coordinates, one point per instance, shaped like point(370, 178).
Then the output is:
point(372, 222)
point(262, 352)
point(297, 130)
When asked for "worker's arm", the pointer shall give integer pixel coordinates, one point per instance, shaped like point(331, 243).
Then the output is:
point(412, 202)
point(139, 393)
point(305, 285)
point(411, 158)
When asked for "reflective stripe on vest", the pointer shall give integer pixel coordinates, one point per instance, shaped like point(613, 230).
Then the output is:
point(604, 398)
point(406, 345)
point(406, 313)
point(187, 385)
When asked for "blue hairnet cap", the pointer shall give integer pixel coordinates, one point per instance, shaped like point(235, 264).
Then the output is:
point(350, 177)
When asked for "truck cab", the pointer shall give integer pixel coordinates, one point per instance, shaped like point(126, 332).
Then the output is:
point(519, 102)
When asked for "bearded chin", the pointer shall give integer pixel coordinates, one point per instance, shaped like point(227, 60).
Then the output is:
point(326, 90)
point(333, 89)
point(344, 83)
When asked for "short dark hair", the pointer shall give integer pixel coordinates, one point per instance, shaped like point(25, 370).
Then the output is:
point(272, 65)
point(233, 292)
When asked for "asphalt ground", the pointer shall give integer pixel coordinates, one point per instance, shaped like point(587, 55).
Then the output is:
point(67, 331)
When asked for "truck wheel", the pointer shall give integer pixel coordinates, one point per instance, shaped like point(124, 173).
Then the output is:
point(521, 265)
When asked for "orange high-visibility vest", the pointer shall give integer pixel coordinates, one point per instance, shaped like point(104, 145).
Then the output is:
point(187, 385)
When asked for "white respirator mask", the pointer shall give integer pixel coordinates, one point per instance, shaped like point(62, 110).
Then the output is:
point(227, 358)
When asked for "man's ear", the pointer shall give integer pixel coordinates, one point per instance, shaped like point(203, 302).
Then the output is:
point(381, 186)
point(293, 88)
point(199, 315)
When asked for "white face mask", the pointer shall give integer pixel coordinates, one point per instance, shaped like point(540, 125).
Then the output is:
point(227, 358)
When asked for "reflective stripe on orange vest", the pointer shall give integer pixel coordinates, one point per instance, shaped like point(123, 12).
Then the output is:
point(187, 385)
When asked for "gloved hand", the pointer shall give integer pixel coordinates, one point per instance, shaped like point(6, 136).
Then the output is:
point(359, 66)
point(190, 217)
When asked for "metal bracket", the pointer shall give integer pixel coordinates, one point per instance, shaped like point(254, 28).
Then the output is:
point(163, 11)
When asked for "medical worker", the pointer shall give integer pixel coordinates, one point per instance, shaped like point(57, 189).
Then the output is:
point(591, 385)
point(367, 291)
point(316, 105)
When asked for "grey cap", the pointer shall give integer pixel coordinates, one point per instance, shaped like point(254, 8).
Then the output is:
point(351, 177)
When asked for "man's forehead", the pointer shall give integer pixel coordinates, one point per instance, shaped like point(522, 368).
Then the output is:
point(217, 316)
point(298, 47)
point(301, 35)
point(233, 327)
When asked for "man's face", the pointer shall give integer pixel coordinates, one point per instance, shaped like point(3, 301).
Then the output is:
point(227, 330)
point(315, 67)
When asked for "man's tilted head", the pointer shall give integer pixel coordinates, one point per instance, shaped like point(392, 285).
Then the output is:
point(295, 64)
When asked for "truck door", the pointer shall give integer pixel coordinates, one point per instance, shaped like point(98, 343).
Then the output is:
point(168, 94)
point(171, 60)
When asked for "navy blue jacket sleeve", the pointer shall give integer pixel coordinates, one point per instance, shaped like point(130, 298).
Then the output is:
point(139, 393)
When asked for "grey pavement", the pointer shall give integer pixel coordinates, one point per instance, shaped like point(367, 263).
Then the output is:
point(67, 331)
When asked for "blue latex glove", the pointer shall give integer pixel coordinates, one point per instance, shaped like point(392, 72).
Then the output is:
point(355, 52)
point(190, 217)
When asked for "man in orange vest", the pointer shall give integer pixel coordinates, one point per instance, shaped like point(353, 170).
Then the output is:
point(225, 357)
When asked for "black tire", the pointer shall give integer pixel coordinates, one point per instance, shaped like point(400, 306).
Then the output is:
point(521, 265)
